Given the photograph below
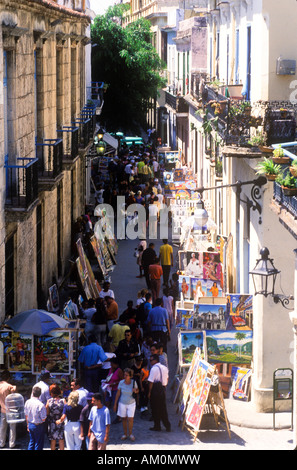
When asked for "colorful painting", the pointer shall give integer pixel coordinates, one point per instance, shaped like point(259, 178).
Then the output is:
point(184, 318)
point(54, 298)
point(98, 254)
point(185, 287)
point(52, 353)
point(188, 342)
point(212, 266)
point(17, 348)
point(239, 311)
point(241, 384)
point(193, 264)
point(209, 317)
point(232, 347)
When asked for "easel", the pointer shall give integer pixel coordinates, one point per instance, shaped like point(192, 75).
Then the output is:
point(215, 401)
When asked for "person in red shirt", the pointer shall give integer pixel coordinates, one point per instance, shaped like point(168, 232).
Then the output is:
point(155, 273)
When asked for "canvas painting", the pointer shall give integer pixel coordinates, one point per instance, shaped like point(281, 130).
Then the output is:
point(185, 287)
point(193, 264)
point(17, 349)
point(239, 312)
point(188, 342)
point(232, 347)
point(209, 317)
point(184, 319)
point(52, 353)
point(241, 383)
point(212, 266)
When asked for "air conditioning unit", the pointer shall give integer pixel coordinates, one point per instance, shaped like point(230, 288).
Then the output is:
point(285, 67)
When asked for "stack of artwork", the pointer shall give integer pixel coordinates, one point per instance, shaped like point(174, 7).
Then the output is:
point(218, 323)
point(85, 273)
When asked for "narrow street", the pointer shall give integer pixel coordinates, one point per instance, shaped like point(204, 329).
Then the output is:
point(126, 285)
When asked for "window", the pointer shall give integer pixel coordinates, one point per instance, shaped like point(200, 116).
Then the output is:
point(237, 57)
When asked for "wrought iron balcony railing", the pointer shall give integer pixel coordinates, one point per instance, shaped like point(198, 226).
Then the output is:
point(21, 183)
point(50, 157)
point(70, 136)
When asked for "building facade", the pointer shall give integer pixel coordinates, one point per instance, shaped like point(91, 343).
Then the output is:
point(45, 130)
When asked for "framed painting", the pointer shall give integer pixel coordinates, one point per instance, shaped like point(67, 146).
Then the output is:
point(52, 353)
point(189, 341)
point(232, 347)
point(185, 287)
point(17, 350)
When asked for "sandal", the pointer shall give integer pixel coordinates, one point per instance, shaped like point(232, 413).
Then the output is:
point(123, 437)
point(132, 438)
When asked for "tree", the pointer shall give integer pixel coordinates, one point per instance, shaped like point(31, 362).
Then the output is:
point(126, 60)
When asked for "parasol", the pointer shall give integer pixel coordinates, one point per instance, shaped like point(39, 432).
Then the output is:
point(36, 322)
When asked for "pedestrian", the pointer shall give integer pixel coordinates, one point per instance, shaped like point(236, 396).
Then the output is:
point(99, 424)
point(43, 384)
point(84, 422)
point(158, 323)
point(99, 320)
point(106, 291)
point(6, 389)
point(89, 357)
point(54, 409)
point(77, 386)
point(35, 412)
point(125, 403)
point(117, 333)
point(148, 257)
point(71, 412)
point(168, 303)
point(155, 272)
point(166, 258)
point(144, 387)
point(112, 310)
point(158, 380)
point(88, 313)
point(157, 348)
point(109, 386)
point(127, 350)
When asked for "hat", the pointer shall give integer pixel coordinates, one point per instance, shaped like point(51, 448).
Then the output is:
point(89, 396)
point(131, 193)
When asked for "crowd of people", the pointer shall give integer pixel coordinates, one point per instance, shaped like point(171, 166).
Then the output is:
point(123, 363)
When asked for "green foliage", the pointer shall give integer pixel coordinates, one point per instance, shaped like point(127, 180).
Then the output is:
point(127, 61)
point(286, 180)
point(268, 167)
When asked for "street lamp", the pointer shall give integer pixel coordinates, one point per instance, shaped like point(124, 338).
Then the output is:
point(264, 277)
point(101, 147)
point(200, 215)
point(100, 134)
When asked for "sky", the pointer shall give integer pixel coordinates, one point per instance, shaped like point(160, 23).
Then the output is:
point(100, 6)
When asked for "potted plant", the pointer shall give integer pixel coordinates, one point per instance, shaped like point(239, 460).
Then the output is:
point(257, 140)
point(246, 108)
point(279, 156)
point(268, 168)
point(288, 184)
point(293, 168)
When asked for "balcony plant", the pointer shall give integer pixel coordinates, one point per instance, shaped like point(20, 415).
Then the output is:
point(268, 168)
point(257, 140)
point(279, 156)
point(293, 168)
point(288, 184)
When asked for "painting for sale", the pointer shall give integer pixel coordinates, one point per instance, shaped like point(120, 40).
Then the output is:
point(232, 347)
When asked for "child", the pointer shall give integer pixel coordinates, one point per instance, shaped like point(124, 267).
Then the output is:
point(144, 386)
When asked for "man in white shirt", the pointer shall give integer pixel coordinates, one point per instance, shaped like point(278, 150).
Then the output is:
point(158, 380)
point(35, 412)
point(44, 387)
point(76, 386)
point(106, 291)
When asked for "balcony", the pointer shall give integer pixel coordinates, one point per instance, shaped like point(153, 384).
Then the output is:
point(21, 185)
point(70, 136)
point(86, 124)
point(50, 159)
